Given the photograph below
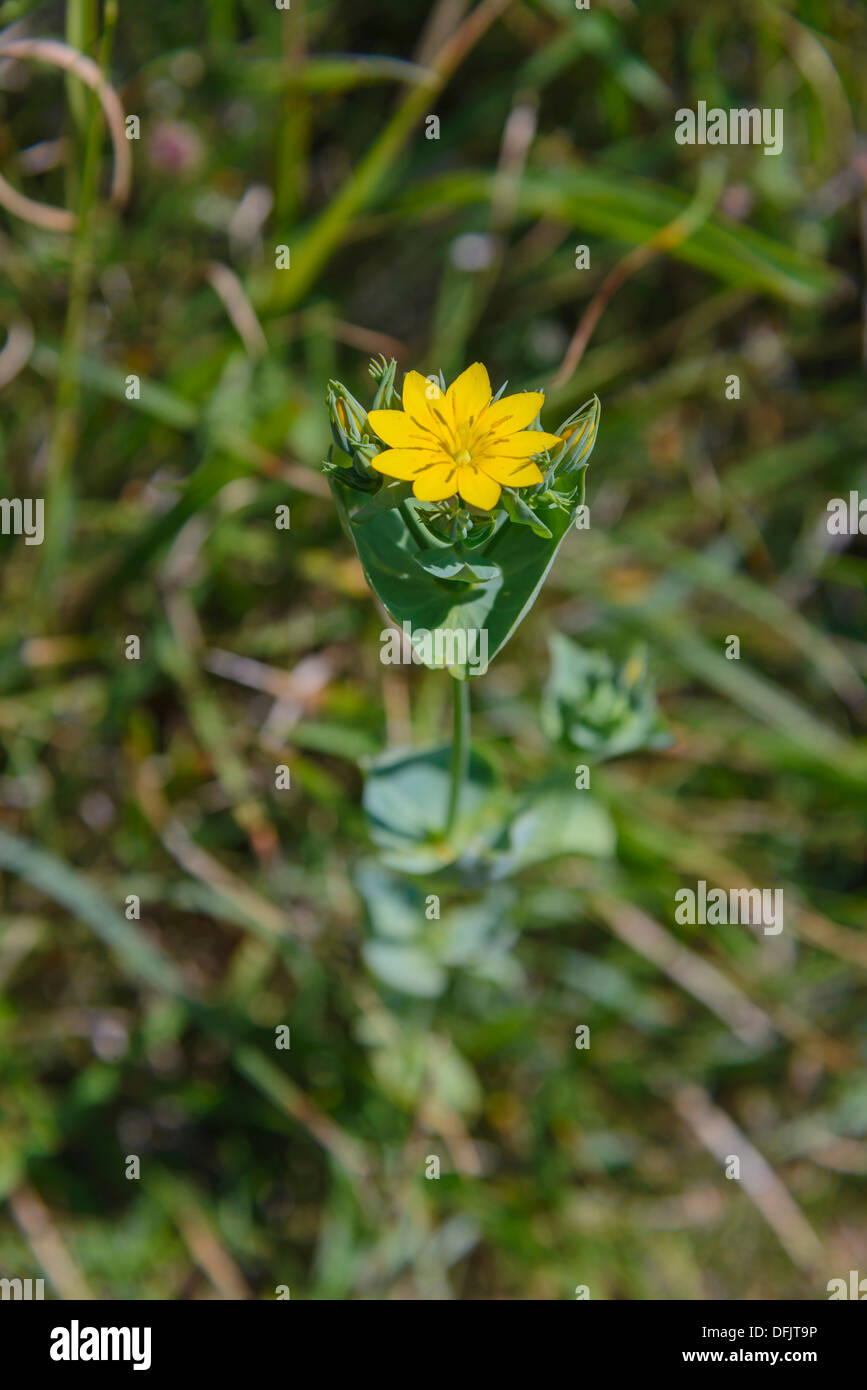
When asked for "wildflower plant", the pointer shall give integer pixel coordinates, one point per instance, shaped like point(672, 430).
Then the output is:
point(457, 500)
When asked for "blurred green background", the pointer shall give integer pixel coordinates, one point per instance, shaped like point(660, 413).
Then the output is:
point(156, 1037)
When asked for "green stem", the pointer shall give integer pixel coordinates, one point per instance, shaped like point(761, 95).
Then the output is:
point(66, 427)
point(81, 30)
point(460, 750)
point(292, 142)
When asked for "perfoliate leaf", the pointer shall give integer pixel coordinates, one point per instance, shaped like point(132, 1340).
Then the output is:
point(496, 834)
point(451, 563)
point(392, 495)
point(406, 801)
point(553, 821)
point(519, 560)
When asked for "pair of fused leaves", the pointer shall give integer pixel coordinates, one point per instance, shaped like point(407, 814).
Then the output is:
point(415, 953)
point(497, 833)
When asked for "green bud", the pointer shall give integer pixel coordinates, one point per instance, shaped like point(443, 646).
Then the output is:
point(578, 434)
point(354, 470)
point(362, 458)
point(348, 417)
point(383, 373)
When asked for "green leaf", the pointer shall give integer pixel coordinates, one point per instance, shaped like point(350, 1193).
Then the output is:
point(518, 560)
point(451, 563)
point(330, 73)
point(632, 210)
point(473, 933)
point(405, 799)
point(475, 937)
point(388, 552)
point(553, 821)
point(395, 906)
point(64, 884)
point(483, 530)
point(391, 495)
point(405, 967)
point(525, 559)
point(523, 515)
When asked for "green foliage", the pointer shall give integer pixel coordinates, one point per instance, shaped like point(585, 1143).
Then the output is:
point(497, 833)
point(413, 951)
point(406, 799)
point(599, 708)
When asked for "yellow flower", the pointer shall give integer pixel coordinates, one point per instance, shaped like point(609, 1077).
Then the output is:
point(461, 441)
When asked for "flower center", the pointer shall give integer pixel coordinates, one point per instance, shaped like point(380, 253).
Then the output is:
point(464, 457)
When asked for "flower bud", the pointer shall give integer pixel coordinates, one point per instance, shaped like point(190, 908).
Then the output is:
point(383, 373)
point(361, 460)
point(578, 434)
point(348, 418)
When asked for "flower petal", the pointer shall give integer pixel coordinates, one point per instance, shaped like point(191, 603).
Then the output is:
point(404, 463)
point(521, 445)
point(436, 482)
point(511, 472)
point(511, 413)
point(417, 394)
point(477, 488)
point(468, 394)
point(399, 430)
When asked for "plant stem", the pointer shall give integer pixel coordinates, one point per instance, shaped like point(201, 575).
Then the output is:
point(81, 30)
point(292, 140)
point(460, 749)
point(66, 427)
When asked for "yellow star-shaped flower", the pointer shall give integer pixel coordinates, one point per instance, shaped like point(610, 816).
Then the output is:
point(461, 441)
